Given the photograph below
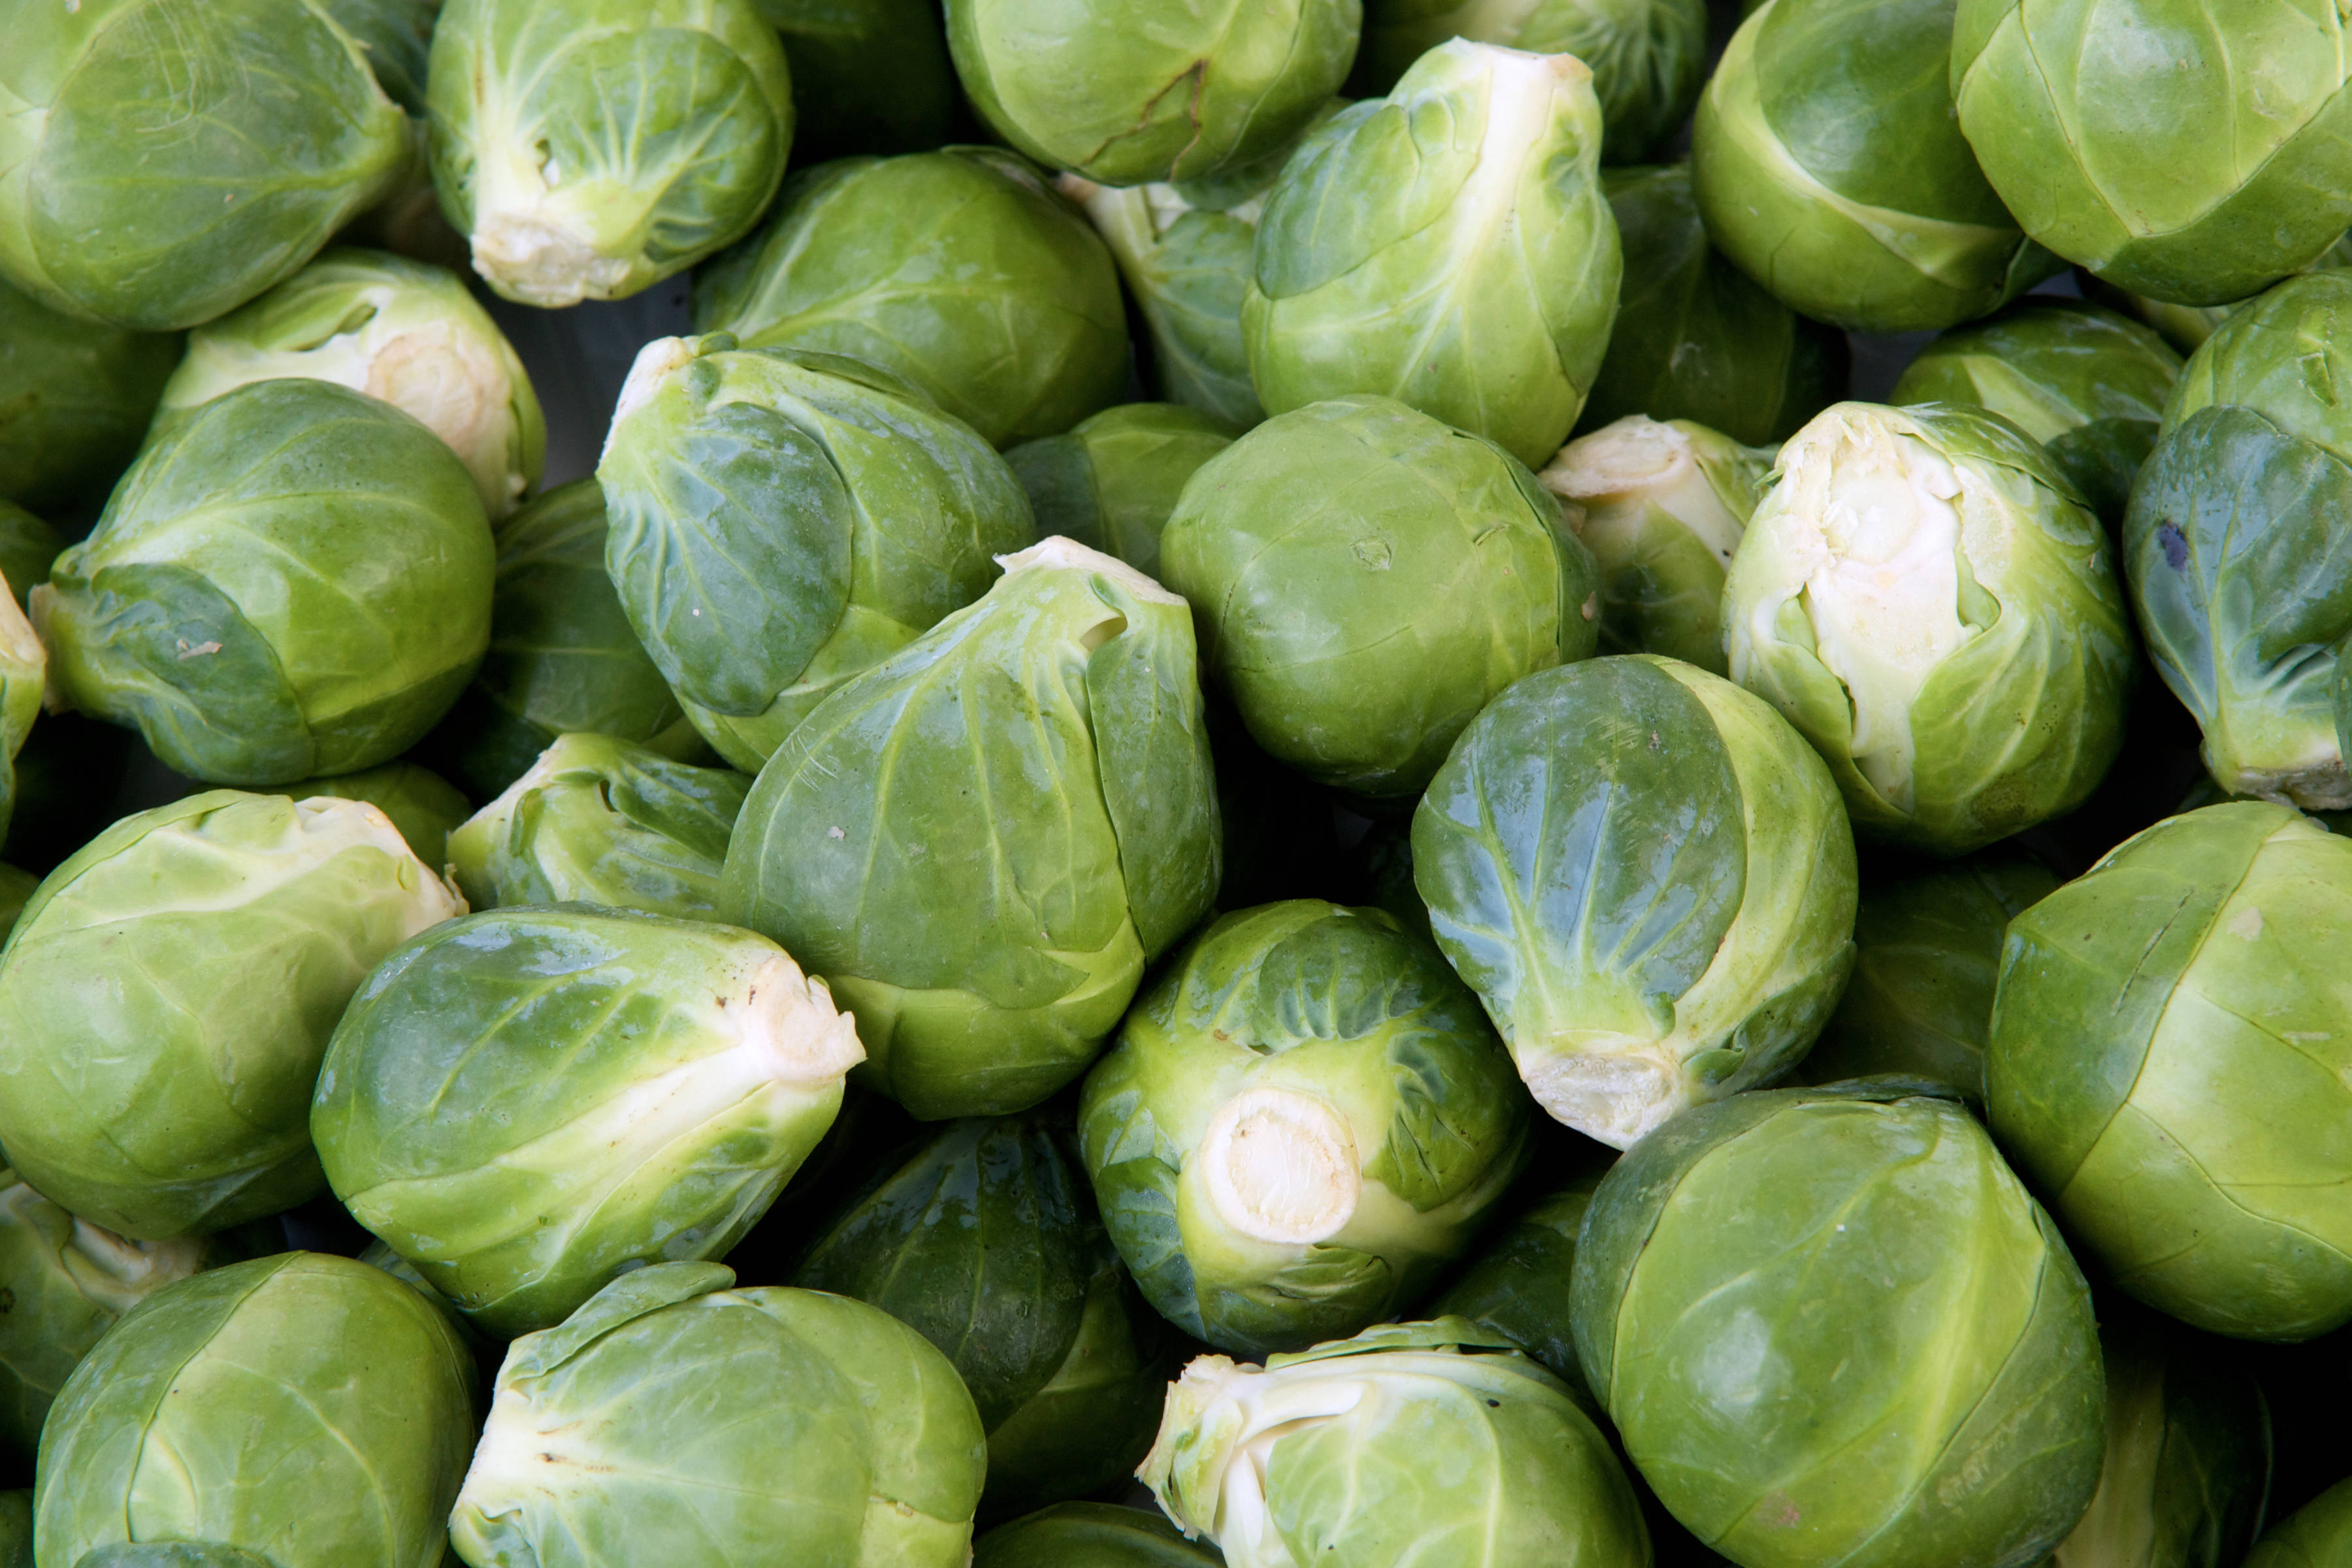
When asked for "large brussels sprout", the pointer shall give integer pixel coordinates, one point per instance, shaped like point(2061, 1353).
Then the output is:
point(1518, 1287)
point(2191, 150)
point(1661, 508)
point(295, 581)
point(74, 403)
point(396, 329)
point(653, 1081)
point(781, 520)
point(808, 1429)
point(982, 841)
point(1925, 596)
point(1828, 165)
point(300, 1408)
point(1305, 1119)
point(868, 76)
point(960, 271)
point(2230, 544)
point(1646, 875)
point(588, 151)
point(422, 805)
point(27, 548)
point(168, 992)
point(1831, 1327)
point(1112, 480)
point(1435, 1433)
point(2317, 1535)
point(1088, 1535)
point(1382, 264)
point(1366, 579)
point(164, 161)
point(2168, 1063)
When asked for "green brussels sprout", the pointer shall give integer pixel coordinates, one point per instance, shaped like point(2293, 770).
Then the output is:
point(1661, 508)
point(304, 1406)
point(28, 546)
point(162, 161)
point(1646, 875)
point(1828, 166)
point(2191, 150)
point(74, 404)
point(1434, 1434)
point(780, 521)
point(2316, 1535)
point(599, 821)
point(1366, 580)
point(1111, 482)
point(2085, 383)
point(1089, 1535)
point(295, 581)
point(1304, 1119)
point(675, 1420)
point(168, 994)
point(653, 1082)
point(1448, 245)
point(589, 151)
point(2229, 544)
point(961, 272)
point(1518, 1287)
point(1831, 1327)
point(421, 805)
point(2168, 1063)
point(980, 841)
point(1195, 93)
point(868, 76)
point(1925, 596)
point(1697, 339)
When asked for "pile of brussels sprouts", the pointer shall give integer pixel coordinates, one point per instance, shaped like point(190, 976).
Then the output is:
point(1311, 783)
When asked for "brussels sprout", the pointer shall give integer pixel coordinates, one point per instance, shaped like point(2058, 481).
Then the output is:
point(1435, 1433)
point(303, 1406)
point(1112, 480)
point(2230, 544)
point(1366, 580)
point(164, 161)
point(74, 401)
point(1695, 337)
point(2168, 1061)
point(782, 521)
point(1661, 508)
point(28, 546)
point(1448, 245)
point(981, 840)
point(810, 1428)
point(1303, 1121)
point(1198, 92)
point(2085, 383)
point(1828, 167)
point(167, 995)
point(1646, 875)
point(420, 804)
point(868, 76)
point(1924, 596)
point(653, 1080)
point(1090, 1535)
point(1518, 1287)
point(295, 581)
point(2191, 150)
point(959, 271)
point(2316, 1535)
point(1831, 1327)
point(589, 151)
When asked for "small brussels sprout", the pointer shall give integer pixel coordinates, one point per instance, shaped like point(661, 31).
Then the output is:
point(961, 272)
point(1646, 875)
point(1925, 596)
point(1304, 1119)
point(305, 1408)
point(655, 1081)
point(1366, 580)
point(1828, 167)
point(2085, 383)
point(781, 520)
point(2316, 1535)
point(1661, 508)
point(1437, 1433)
point(2191, 150)
point(1518, 1287)
point(169, 991)
point(397, 330)
point(1380, 265)
point(2168, 1061)
point(23, 665)
point(982, 840)
point(1085, 1535)
point(295, 581)
point(1831, 1327)
point(812, 1428)
point(868, 76)
point(27, 547)
point(74, 401)
point(422, 805)
point(1112, 480)
point(589, 151)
